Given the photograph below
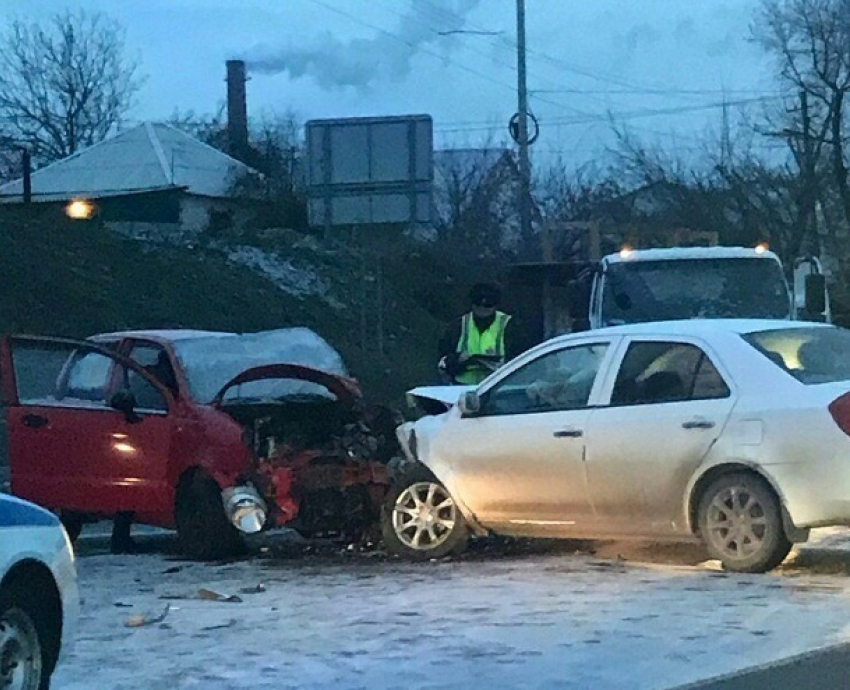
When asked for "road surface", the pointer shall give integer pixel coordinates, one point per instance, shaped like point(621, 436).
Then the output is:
point(530, 616)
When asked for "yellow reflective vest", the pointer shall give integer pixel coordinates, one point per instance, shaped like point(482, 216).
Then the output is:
point(490, 342)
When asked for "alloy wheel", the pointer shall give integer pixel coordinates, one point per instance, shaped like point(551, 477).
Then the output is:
point(424, 516)
point(737, 522)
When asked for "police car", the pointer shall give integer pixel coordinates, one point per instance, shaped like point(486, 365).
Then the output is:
point(38, 594)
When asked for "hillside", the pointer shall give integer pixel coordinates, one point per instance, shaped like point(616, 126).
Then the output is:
point(75, 279)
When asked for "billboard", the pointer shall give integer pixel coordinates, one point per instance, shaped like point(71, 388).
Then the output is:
point(371, 170)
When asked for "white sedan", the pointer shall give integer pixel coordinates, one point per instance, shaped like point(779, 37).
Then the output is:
point(734, 432)
point(38, 594)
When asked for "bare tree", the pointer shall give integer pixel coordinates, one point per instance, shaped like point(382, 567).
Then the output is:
point(64, 85)
point(810, 40)
point(11, 161)
point(210, 129)
point(474, 195)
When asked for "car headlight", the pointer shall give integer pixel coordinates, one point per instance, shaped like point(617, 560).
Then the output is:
point(245, 508)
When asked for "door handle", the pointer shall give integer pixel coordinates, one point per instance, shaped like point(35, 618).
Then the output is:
point(35, 421)
point(568, 433)
point(698, 424)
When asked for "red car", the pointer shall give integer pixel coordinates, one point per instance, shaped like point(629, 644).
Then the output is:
point(211, 433)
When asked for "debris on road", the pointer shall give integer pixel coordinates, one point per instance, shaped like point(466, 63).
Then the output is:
point(139, 621)
point(222, 626)
point(210, 595)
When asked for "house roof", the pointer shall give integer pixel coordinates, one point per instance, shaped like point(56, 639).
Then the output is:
point(148, 157)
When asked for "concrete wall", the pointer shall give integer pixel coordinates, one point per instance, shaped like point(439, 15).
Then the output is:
point(195, 212)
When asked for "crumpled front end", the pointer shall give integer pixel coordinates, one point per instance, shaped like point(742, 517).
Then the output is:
point(319, 466)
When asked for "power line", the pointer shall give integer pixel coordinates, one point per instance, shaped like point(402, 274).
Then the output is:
point(626, 86)
point(634, 114)
point(508, 65)
point(582, 117)
point(657, 92)
point(422, 49)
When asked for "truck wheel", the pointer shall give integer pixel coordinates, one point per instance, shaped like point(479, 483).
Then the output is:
point(740, 522)
point(26, 660)
point(202, 527)
point(420, 520)
point(72, 522)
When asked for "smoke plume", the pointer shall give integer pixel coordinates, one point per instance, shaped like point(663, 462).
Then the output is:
point(334, 63)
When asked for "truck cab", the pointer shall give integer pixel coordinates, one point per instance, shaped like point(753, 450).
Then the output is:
point(634, 286)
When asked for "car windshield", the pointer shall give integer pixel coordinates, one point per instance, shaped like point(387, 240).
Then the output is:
point(209, 363)
point(811, 355)
point(642, 291)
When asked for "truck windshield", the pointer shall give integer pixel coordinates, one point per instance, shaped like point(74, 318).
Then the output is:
point(641, 291)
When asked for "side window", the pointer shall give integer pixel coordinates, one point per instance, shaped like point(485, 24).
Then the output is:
point(654, 372)
point(155, 362)
point(87, 377)
point(709, 383)
point(560, 380)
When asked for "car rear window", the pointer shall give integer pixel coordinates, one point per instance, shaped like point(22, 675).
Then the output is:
point(811, 355)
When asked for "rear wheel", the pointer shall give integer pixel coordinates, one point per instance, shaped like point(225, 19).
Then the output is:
point(740, 521)
point(203, 529)
point(26, 659)
point(72, 522)
point(420, 519)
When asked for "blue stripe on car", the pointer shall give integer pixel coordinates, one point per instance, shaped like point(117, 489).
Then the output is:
point(14, 513)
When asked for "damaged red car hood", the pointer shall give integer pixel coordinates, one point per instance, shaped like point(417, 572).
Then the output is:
point(344, 388)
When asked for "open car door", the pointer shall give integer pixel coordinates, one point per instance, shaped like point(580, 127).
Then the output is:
point(78, 440)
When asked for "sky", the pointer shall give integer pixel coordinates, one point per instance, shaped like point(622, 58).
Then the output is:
point(661, 67)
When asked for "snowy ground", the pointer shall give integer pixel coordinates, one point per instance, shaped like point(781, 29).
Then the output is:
point(513, 617)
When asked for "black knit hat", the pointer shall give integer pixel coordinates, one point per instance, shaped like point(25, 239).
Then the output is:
point(485, 294)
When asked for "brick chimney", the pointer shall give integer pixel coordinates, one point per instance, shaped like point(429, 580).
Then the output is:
point(237, 109)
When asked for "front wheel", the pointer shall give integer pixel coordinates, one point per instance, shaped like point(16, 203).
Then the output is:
point(24, 663)
point(740, 521)
point(420, 520)
point(203, 530)
point(72, 522)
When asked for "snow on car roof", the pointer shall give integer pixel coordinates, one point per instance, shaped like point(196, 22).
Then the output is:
point(685, 253)
point(162, 335)
point(209, 362)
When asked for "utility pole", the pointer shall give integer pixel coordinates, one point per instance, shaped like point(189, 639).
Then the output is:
point(26, 163)
point(524, 163)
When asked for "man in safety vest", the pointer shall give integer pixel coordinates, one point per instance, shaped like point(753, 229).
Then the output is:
point(479, 342)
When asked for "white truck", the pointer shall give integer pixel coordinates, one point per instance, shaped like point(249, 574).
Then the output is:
point(635, 286)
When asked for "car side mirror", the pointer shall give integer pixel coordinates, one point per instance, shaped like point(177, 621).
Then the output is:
point(469, 404)
point(815, 297)
point(124, 401)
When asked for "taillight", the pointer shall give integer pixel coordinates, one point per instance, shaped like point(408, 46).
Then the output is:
point(840, 411)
